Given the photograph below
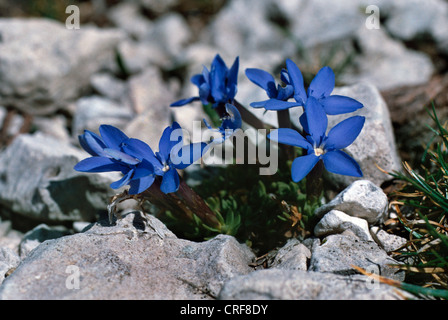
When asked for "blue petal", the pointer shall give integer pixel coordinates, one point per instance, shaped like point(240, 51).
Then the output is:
point(296, 79)
point(92, 143)
point(123, 181)
point(344, 133)
point(304, 123)
point(290, 137)
point(274, 104)
point(198, 79)
point(170, 181)
point(284, 76)
point(234, 121)
point(171, 136)
point(341, 163)
point(316, 119)
point(323, 83)
point(112, 136)
point(336, 104)
point(183, 102)
point(284, 93)
point(98, 164)
point(301, 166)
point(121, 156)
point(140, 185)
point(145, 168)
point(232, 79)
point(140, 150)
point(204, 93)
point(187, 155)
point(218, 74)
point(260, 77)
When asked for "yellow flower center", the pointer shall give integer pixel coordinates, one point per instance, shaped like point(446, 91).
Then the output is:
point(318, 151)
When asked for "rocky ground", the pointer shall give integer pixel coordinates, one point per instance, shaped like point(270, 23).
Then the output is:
point(124, 66)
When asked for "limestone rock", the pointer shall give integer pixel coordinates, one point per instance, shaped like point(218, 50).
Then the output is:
point(361, 199)
point(138, 258)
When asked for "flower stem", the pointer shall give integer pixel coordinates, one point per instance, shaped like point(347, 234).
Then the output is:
point(249, 117)
point(314, 182)
point(284, 121)
point(185, 203)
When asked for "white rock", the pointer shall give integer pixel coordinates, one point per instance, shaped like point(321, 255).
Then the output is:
point(389, 242)
point(361, 199)
point(375, 145)
point(337, 222)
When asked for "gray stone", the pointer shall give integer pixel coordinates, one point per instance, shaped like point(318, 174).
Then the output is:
point(276, 284)
point(292, 256)
point(171, 32)
point(128, 17)
point(38, 181)
point(410, 20)
point(9, 260)
point(44, 65)
point(39, 234)
point(361, 199)
point(339, 253)
point(375, 146)
point(335, 222)
point(108, 86)
point(93, 111)
point(386, 63)
point(151, 98)
point(236, 33)
point(389, 242)
point(138, 55)
point(138, 258)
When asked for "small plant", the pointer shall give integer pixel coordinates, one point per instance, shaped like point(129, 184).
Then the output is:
point(422, 207)
point(261, 210)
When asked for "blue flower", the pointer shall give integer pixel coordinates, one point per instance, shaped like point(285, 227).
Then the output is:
point(173, 155)
point(320, 146)
point(320, 89)
point(230, 123)
point(114, 151)
point(217, 86)
point(278, 95)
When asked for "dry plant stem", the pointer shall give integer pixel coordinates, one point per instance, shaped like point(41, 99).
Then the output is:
point(185, 202)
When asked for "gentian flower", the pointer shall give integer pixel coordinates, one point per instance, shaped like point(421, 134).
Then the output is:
point(320, 89)
point(217, 86)
point(114, 151)
point(173, 155)
point(320, 146)
point(278, 95)
point(230, 123)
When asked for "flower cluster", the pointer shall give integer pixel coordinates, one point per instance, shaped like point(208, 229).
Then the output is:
point(140, 166)
point(112, 150)
point(317, 103)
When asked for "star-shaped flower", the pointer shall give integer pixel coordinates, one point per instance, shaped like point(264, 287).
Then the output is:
point(114, 151)
point(173, 155)
point(319, 146)
point(278, 95)
point(217, 86)
point(320, 89)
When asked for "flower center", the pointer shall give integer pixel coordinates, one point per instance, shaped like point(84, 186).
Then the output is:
point(166, 168)
point(318, 151)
